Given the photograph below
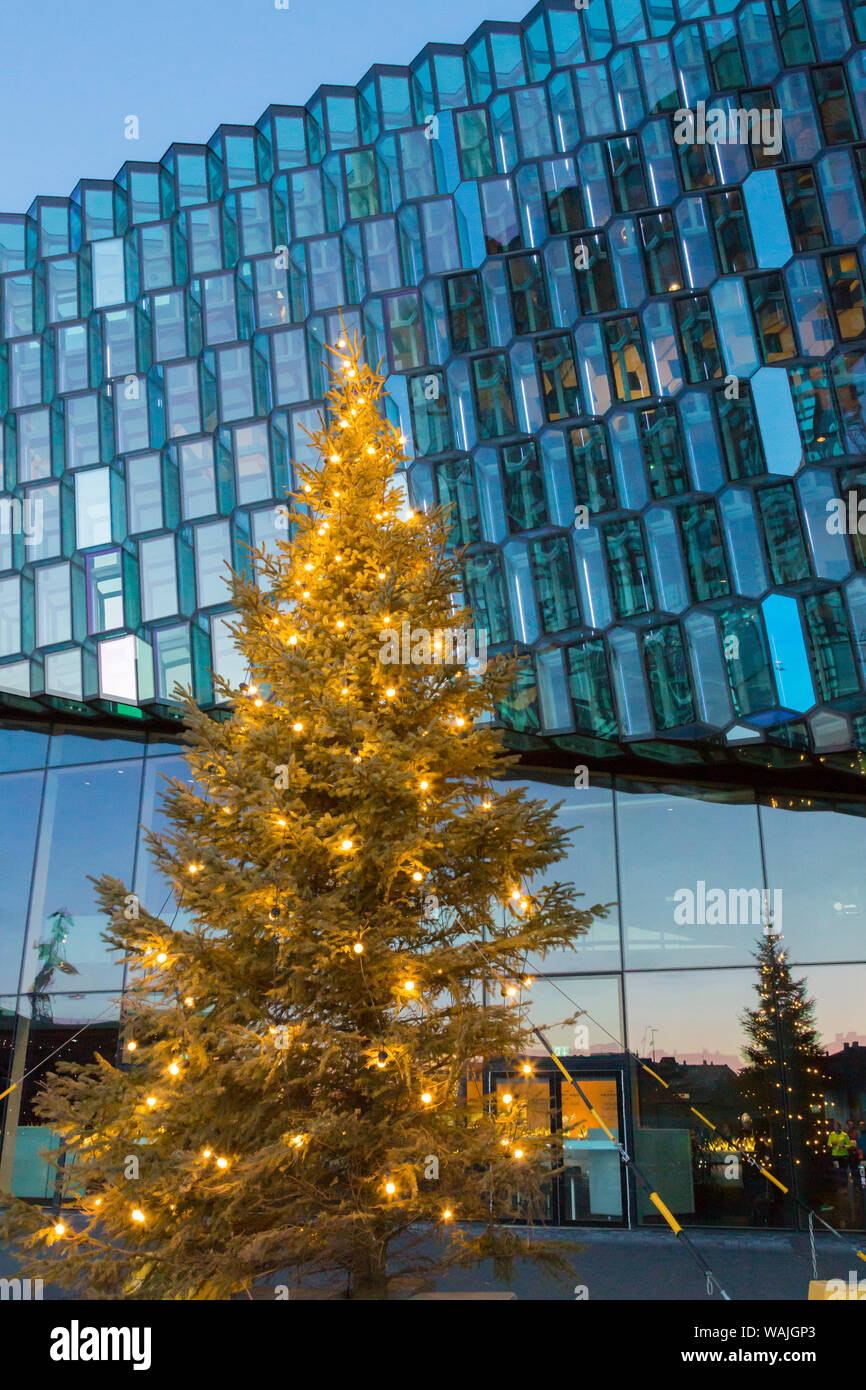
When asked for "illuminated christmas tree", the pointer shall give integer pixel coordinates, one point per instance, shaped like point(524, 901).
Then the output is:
point(359, 903)
point(785, 1074)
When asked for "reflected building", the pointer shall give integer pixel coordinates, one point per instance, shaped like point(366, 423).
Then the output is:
point(633, 366)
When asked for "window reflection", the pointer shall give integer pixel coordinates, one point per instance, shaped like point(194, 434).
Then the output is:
point(88, 827)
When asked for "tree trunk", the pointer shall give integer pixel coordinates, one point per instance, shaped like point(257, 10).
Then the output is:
point(370, 1275)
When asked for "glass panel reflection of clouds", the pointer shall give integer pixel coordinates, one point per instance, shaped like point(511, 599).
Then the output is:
point(671, 844)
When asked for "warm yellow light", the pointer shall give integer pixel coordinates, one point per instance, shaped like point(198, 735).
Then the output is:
point(381, 574)
point(370, 449)
point(426, 1097)
point(258, 703)
point(423, 785)
point(529, 981)
point(298, 1140)
point(206, 1153)
point(344, 690)
point(222, 1163)
point(293, 641)
point(358, 948)
point(282, 824)
point(227, 810)
point(459, 721)
point(174, 1069)
point(137, 1214)
point(297, 726)
point(59, 1229)
point(189, 1001)
point(409, 986)
point(515, 892)
point(307, 487)
point(390, 1188)
point(151, 1101)
point(131, 1046)
point(162, 958)
point(335, 458)
point(511, 991)
point(390, 692)
point(527, 1069)
point(340, 623)
point(507, 1098)
point(308, 567)
point(417, 876)
point(518, 1153)
point(192, 868)
point(447, 1215)
point(485, 805)
point(346, 845)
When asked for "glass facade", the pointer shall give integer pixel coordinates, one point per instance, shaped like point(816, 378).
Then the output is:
point(640, 982)
point(634, 366)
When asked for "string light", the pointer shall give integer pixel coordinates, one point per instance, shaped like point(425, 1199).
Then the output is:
point(137, 1214)
point(59, 1229)
point(417, 876)
point(162, 958)
point(426, 1098)
point(518, 1153)
point(151, 1101)
point(206, 1153)
point(189, 1001)
point(345, 846)
point(507, 1098)
point(131, 1046)
point(447, 1214)
point(390, 1188)
point(409, 986)
point(358, 948)
point(297, 726)
point(174, 1069)
point(222, 1163)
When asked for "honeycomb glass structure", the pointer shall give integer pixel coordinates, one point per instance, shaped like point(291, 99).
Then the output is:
point(632, 364)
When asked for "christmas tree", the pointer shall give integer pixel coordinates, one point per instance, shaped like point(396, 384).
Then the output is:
point(301, 1055)
point(783, 1083)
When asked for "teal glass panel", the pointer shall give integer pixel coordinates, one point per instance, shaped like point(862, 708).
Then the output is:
point(661, 253)
point(628, 361)
point(830, 641)
point(593, 273)
point(668, 678)
point(783, 534)
point(816, 413)
point(590, 690)
point(456, 489)
point(704, 551)
point(662, 448)
point(628, 569)
point(485, 591)
point(493, 401)
point(747, 659)
point(553, 576)
point(523, 484)
point(698, 338)
point(528, 293)
point(467, 321)
point(592, 472)
point(558, 372)
point(431, 422)
point(731, 230)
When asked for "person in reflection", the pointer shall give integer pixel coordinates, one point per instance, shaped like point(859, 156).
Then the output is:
point(840, 1144)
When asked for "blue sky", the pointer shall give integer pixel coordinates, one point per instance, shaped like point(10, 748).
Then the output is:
point(73, 69)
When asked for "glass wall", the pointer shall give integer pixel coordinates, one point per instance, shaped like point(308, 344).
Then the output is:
point(665, 1008)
